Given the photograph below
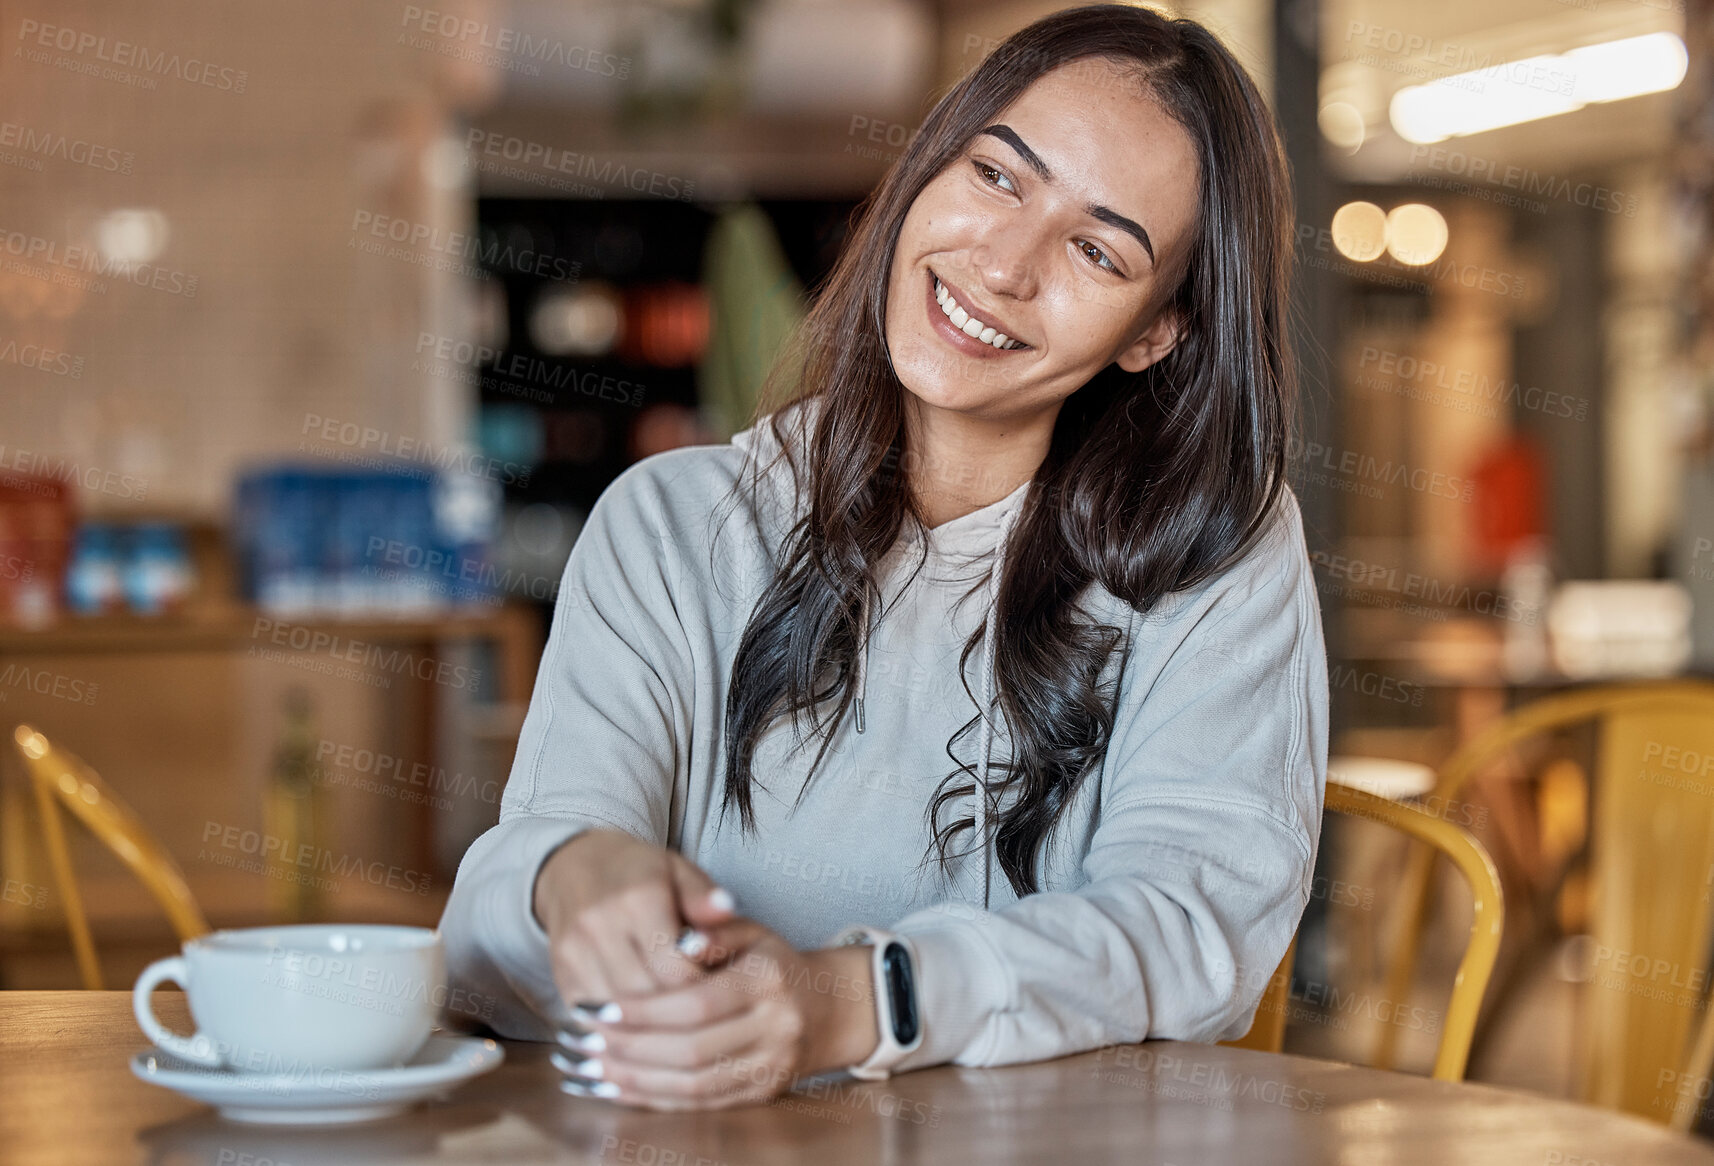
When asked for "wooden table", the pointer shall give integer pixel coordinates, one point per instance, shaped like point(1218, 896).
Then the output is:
point(67, 1096)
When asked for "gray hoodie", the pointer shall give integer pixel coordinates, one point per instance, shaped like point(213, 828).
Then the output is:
point(1170, 887)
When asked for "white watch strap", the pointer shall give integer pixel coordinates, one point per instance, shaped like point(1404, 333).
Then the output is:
point(889, 1052)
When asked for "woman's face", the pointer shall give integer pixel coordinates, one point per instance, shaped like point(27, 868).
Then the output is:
point(1064, 226)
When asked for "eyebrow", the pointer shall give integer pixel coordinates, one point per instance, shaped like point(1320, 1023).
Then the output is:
point(1105, 214)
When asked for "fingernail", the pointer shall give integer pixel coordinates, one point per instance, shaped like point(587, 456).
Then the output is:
point(582, 1042)
point(692, 943)
point(593, 1089)
point(602, 1013)
point(580, 1067)
point(721, 899)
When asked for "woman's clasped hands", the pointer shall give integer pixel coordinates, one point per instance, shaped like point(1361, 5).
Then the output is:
point(677, 1001)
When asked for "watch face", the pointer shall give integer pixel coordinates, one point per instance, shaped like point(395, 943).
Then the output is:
point(901, 992)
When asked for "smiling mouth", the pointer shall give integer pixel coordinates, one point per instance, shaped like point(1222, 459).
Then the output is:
point(976, 328)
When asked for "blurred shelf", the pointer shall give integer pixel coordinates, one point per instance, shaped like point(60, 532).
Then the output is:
point(121, 910)
point(234, 625)
point(707, 159)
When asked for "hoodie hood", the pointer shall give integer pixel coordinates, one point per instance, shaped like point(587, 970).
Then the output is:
point(955, 549)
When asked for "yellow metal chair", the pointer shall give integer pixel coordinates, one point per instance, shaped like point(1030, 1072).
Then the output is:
point(1268, 1031)
point(59, 778)
point(1652, 871)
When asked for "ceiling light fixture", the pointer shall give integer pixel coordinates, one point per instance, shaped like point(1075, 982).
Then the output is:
point(1537, 87)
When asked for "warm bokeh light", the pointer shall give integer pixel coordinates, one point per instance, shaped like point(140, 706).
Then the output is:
point(34, 745)
point(1342, 124)
point(1416, 233)
point(1360, 231)
point(132, 236)
point(584, 321)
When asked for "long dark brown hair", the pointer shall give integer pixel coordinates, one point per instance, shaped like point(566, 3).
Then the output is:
point(1153, 481)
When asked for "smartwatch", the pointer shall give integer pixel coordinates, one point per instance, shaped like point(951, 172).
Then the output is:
point(897, 1017)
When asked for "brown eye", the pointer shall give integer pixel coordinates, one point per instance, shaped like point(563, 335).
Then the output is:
point(1099, 257)
point(985, 170)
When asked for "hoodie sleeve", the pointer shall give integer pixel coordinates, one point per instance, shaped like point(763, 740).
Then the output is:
point(1202, 856)
point(599, 748)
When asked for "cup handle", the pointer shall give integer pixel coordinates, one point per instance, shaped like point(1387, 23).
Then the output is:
point(197, 1049)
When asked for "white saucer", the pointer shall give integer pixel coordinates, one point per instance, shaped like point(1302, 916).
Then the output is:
point(319, 1097)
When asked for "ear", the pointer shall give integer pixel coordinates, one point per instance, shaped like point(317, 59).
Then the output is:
point(1156, 341)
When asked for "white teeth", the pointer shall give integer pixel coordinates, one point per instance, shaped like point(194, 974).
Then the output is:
point(968, 324)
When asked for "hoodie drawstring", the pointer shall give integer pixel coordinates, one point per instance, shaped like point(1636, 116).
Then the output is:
point(989, 668)
point(863, 657)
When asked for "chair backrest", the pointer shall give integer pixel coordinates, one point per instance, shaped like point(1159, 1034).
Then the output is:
point(61, 779)
point(1652, 870)
point(1470, 983)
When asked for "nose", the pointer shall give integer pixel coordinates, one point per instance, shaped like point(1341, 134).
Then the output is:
point(1008, 263)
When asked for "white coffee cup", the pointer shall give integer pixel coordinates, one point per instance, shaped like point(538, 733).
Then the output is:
point(299, 998)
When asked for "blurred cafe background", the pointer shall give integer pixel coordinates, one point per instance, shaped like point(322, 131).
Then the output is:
point(322, 326)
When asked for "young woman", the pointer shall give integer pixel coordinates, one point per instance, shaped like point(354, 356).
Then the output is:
point(999, 639)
